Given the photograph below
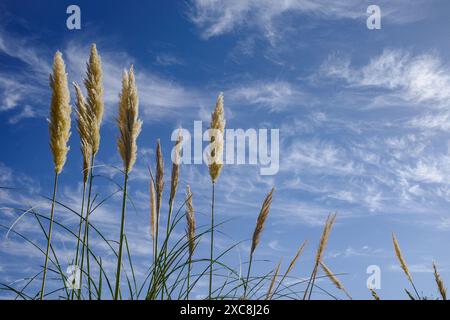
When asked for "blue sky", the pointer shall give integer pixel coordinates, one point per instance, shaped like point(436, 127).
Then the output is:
point(363, 116)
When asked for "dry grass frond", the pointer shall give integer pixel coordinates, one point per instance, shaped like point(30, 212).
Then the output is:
point(294, 260)
point(190, 218)
point(440, 283)
point(334, 279)
point(400, 258)
point(152, 210)
point(272, 282)
point(322, 245)
point(128, 121)
point(94, 87)
point(85, 124)
point(159, 176)
point(325, 235)
point(175, 167)
point(60, 109)
point(216, 152)
point(374, 294)
point(261, 220)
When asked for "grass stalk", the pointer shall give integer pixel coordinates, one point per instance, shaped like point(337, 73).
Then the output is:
point(85, 248)
point(122, 225)
point(212, 243)
point(80, 225)
point(49, 236)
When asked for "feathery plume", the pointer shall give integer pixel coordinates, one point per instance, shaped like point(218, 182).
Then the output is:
point(325, 235)
point(322, 244)
point(190, 221)
point(128, 121)
point(216, 152)
point(94, 87)
point(261, 220)
point(175, 167)
point(272, 282)
point(60, 109)
point(159, 176)
point(439, 282)
point(403, 264)
point(294, 260)
point(334, 279)
point(400, 258)
point(85, 124)
point(152, 210)
point(374, 294)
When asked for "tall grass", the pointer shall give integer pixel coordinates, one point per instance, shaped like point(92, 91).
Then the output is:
point(177, 268)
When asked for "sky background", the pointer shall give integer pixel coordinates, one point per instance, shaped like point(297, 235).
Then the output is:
point(363, 115)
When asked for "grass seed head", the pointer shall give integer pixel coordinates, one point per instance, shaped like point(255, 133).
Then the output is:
point(128, 121)
point(60, 110)
point(216, 152)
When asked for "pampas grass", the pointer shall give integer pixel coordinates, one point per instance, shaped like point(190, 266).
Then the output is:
point(86, 123)
point(129, 128)
point(322, 245)
point(167, 273)
point(60, 110)
point(260, 221)
point(217, 129)
point(91, 111)
point(190, 231)
point(439, 282)
point(403, 264)
point(59, 128)
point(94, 87)
point(334, 279)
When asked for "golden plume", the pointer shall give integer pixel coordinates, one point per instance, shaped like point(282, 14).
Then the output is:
point(218, 128)
point(128, 121)
point(94, 87)
point(60, 109)
point(261, 220)
point(175, 167)
point(190, 218)
point(85, 123)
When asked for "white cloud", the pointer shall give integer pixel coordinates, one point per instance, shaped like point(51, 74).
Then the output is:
point(216, 17)
point(275, 96)
point(410, 78)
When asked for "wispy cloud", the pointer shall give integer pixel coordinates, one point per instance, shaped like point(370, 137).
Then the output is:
point(215, 17)
point(414, 79)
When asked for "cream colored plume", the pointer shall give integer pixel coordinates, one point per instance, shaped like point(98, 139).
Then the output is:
point(190, 218)
point(85, 123)
point(175, 167)
point(261, 220)
point(60, 109)
point(94, 87)
point(128, 121)
point(216, 152)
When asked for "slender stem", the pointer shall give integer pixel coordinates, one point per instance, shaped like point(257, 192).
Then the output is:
point(189, 277)
point(122, 224)
point(49, 237)
point(248, 275)
point(85, 247)
point(79, 236)
point(169, 218)
point(415, 290)
point(310, 285)
point(212, 243)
